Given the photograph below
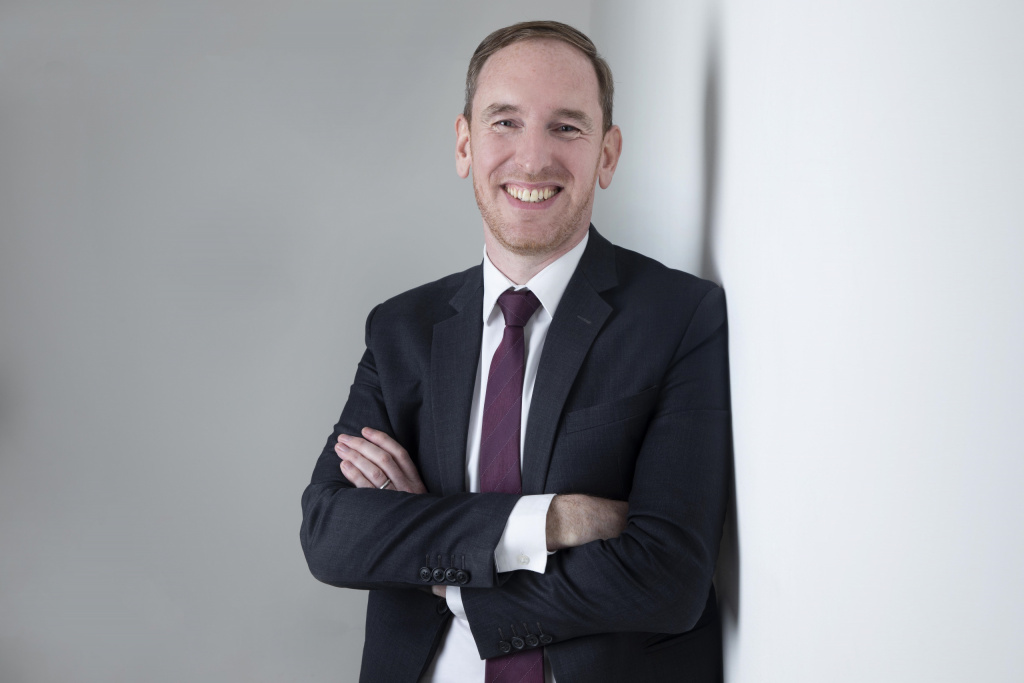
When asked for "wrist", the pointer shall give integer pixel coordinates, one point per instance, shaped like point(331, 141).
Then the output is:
point(552, 524)
point(559, 523)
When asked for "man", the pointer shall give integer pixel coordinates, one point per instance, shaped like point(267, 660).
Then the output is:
point(565, 396)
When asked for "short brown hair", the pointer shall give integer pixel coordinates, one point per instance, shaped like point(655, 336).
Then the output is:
point(527, 30)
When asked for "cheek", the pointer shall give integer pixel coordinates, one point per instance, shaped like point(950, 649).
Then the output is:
point(491, 152)
point(491, 161)
point(583, 164)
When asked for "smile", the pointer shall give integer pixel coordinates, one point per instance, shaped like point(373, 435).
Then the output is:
point(532, 196)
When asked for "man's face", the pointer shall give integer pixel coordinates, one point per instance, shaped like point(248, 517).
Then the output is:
point(536, 146)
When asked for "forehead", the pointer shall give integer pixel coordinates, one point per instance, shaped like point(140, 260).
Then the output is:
point(538, 73)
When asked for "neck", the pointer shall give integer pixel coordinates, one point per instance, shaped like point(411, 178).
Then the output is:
point(520, 268)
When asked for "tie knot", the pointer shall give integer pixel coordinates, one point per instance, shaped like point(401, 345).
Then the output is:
point(518, 306)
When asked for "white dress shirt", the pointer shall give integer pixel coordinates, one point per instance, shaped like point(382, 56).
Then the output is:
point(523, 544)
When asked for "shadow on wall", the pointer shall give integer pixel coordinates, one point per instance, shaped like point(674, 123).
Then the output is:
point(727, 574)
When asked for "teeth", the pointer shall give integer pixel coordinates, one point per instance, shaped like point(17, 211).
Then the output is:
point(532, 196)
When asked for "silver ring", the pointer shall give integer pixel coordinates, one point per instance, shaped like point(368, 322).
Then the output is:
point(385, 484)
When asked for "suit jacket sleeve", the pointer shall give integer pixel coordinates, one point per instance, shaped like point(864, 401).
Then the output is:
point(365, 538)
point(656, 576)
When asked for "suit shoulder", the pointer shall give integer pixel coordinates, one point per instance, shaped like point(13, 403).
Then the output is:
point(426, 303)
point(651, 295)
point(642, 273)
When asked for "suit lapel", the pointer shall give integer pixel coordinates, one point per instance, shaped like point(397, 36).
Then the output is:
point(454, 355)
point(580, 316)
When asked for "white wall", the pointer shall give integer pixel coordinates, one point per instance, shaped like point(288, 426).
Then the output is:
point(871, 214)
point(868, 226)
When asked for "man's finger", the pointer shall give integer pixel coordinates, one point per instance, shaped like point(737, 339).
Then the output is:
point(381, 462)
point(376, 464)
point(372, 475)
point(397, 453)
point(354, 475)
point(371, 459)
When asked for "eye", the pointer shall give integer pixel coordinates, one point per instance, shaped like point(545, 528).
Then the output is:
point(504, 123)
point(567, 131)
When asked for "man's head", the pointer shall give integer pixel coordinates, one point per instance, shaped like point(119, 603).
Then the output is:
point(537, 136)
point(553, 30)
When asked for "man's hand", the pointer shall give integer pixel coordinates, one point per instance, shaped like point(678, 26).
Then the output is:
point(373, 460)
point(575, 519)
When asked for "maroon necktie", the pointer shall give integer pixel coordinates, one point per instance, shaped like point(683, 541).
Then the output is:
point(499, 457)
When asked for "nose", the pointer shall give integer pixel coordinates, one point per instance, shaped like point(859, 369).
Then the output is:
point(534, 150)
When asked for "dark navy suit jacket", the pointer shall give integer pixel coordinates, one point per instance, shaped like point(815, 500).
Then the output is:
point(631, 402)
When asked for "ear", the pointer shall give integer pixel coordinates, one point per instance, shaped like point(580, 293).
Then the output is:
point(611, 148)
point(463, 154)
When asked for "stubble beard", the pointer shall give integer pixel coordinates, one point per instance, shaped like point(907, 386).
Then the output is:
point(521, 245)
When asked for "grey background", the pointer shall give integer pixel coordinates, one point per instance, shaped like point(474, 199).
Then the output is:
point(200, 202)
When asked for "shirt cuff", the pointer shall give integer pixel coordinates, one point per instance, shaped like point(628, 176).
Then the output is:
point(524, 543)
point(453, 596)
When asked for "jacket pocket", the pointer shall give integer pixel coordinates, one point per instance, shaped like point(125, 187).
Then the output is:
point(612, 411)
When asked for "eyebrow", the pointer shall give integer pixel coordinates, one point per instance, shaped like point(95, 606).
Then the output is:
point(576, 115)
point(495, 109)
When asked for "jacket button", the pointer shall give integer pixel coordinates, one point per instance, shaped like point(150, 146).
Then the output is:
point(450, 575)
point(438, 574)
point(518, 643)
point(546, 639)
point(424, 573)
point(442, 607)
point(462, 577)
point(504, 647)
point(532, 640)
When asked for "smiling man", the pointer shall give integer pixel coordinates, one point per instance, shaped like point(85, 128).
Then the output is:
point(530, 472)
point(540, 145)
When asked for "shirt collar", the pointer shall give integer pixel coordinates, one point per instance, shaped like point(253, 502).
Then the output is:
point(548, 285)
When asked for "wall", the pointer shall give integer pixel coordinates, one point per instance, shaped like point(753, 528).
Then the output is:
point(195, 201)
point(657, 52)
point(870, 219)
point(863, 171)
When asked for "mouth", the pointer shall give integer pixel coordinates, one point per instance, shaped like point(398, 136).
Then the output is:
point(531, 195)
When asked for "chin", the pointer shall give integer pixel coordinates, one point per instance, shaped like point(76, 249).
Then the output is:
point(530, 245)
point(527, 238)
